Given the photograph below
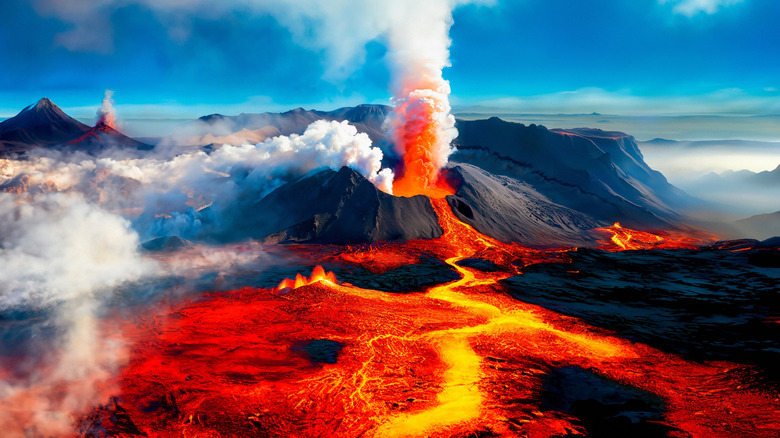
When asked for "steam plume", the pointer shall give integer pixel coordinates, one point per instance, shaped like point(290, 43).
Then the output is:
point(106, 113)
point(61, 257)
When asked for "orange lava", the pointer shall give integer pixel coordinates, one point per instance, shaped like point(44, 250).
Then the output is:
point(458, 359)
point(419, 134)
point(626, 239)
point(317, 276)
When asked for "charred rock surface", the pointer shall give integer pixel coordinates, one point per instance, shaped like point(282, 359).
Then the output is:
point(334, 207)
point(706, 304)
point(429, 271)
point(604, 407)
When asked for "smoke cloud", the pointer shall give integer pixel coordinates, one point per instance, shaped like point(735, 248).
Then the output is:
point(692, 7)
point(62, 257)
point(106, 113)
point(163, 195)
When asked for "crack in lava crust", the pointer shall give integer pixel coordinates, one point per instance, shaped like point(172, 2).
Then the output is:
point(458, 359)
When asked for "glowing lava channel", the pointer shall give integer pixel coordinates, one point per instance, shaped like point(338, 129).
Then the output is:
point(458, 359)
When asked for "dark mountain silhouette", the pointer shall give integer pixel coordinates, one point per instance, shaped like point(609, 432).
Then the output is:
point(367, 118)
point(46, 125)
point(329, 207)
point(760, 226)
point(39, 125)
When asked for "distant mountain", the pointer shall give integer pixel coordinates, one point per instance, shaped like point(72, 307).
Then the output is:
point(367, 118)
point(39, 125)
point(46, 125)
point(761, 226)
point(601, 174)
point(103, 137)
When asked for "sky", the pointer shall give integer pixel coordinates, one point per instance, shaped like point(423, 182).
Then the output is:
point(186, 58)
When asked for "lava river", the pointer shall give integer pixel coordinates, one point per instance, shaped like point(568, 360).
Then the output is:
point(316, 357)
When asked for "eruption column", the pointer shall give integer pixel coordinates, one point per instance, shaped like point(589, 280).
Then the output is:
point(421, 125)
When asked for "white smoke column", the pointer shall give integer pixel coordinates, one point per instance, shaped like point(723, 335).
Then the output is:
point(62, 256)
point(106, 113)
point(330, 144)
point(421, 125)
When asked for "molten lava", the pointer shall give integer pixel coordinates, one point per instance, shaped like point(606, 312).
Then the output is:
point(317, 276)
point(626, 239)
point(459, 359)
point(422, 130)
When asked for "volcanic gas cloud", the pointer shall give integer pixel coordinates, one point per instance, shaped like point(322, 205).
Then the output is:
point(421, 126)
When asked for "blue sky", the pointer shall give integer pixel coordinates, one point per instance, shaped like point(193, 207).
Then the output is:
point(610, 56)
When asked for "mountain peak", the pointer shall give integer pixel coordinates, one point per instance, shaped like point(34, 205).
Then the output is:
point(44, 103)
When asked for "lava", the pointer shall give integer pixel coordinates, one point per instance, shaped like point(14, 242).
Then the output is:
point(317, 276)
point(458, 359)
point(626, 239)
point(422, 130)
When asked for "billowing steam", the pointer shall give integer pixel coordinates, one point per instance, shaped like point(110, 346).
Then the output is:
point(163, 195)
point(106, 114)
point(421, 126)
point(61, 257)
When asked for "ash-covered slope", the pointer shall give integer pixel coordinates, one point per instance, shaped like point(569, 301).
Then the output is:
point(512, 211)
point(332, 207)
point(38, 125)
point(601, 174)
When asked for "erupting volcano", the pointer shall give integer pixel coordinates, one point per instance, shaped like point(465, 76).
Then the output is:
point(371, 271)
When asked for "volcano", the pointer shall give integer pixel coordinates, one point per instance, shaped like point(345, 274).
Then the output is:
point(103, 137)
point(331, 207)
point(39, 125)
point(47, 125)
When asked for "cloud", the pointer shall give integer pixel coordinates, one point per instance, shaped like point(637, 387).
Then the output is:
point(624, 102)
point(690, 8)
point(61, 257)
point(339, 28)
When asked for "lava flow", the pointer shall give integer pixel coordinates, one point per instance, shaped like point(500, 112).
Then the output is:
point(626, 239)
point(319, 358)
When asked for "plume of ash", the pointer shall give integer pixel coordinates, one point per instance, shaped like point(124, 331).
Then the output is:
point(106, 113)
point(61, 257)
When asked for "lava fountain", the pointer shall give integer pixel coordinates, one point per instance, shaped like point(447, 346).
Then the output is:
point(421, 126)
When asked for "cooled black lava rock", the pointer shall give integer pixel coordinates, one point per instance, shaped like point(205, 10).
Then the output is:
point(333, 207)
point(706, 304)
point(323, 350)
point(429, 271)
point(605, 408)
